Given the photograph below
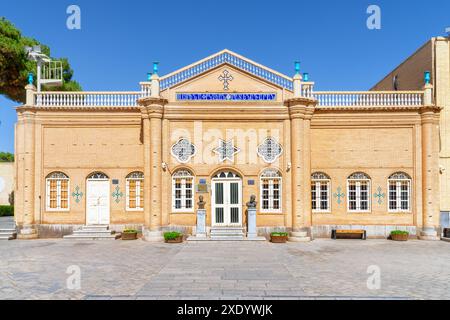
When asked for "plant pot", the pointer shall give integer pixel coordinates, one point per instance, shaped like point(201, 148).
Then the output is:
point(129, 235)
point(176, 240)
point(278, 239)
point(399, 237)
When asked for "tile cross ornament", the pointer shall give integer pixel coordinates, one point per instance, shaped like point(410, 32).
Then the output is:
point(226, 77)
point(339, 194)
point(380, 195)
point(226, 150)
point(77, 194)
point(117, 194)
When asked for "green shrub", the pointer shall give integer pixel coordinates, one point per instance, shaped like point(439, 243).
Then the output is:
point(130, 231)
point(399, 232)
point(171, 235)
point(279, 234)
point(6, 211)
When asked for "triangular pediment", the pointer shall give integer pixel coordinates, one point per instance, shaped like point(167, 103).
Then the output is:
point(226, 79)
point(226, 60)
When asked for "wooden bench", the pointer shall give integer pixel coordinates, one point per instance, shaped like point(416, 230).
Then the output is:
point(348, 234)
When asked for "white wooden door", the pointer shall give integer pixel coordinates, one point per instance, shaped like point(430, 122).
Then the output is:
point(97, 202)
point(227, 203)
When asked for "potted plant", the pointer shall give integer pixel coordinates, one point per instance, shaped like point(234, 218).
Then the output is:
point(173, 237)
point(279, 237)
point(129, 234)
point(398, 235)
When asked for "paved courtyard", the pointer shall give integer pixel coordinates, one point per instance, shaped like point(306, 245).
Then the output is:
point(219, 270)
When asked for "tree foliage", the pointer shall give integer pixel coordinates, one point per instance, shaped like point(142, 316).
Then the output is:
point(15, 66)
point(6, 157)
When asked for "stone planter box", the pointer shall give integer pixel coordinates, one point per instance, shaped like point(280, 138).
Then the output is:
point(129, 235)
point(399, 237)
point(176, 240)
point(278, 239)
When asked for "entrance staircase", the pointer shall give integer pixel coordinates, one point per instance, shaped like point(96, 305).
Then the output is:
point(7, 228)
point(94, 232)
point(227, 233)
point(7, 233)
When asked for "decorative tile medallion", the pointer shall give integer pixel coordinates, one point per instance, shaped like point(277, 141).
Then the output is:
point(270, 150)
point(183, 150)
point(226, 150)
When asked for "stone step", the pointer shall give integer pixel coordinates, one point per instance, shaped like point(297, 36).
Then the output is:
point(96, 232)
point(90, 237)
point(225, 234)
point(6, 237)
point(8, 230)
point(225, 230)
point(227, 238)
point(3, 233)
point(300, 234)
point(299, 239)
point(95, 227)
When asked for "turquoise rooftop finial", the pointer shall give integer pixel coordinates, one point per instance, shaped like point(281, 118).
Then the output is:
point(149, 76)
point(427, 77)
point(305, 76)
point(155, 67)
point(297, 67)
point(30, 78)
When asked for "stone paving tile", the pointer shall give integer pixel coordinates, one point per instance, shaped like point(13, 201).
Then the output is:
point(322, 269)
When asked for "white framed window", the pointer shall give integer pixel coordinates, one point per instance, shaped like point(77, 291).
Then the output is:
point(57, 192)
point(358, 191)
point(320, 192)
point(182, 191)
point(399, 188)
point(135, 191)
point(270, 191)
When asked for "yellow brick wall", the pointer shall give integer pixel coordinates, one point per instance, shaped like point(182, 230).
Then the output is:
point(434, 56)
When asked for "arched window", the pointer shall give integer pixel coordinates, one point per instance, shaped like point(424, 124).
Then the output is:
point(57, 192)
point(182, 191)
point(358, 190)
point(399, 192)
point(98, 176)
point(135, 191)
point(320, 192)
point(270, 191)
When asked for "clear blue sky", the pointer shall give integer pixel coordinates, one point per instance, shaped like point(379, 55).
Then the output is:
point(116, 46)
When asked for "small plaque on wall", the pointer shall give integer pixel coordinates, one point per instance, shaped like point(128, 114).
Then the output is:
point(115, 181)
point(202, 188)
point(251, 182)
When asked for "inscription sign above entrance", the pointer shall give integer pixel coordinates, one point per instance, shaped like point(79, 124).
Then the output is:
point(226, 96)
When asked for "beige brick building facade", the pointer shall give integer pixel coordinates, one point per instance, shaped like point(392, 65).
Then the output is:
point(433, 56)
point(227, 128)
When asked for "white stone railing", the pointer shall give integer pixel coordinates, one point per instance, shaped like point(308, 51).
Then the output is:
point(325, 98)
point(87, 99)
point(367, 98)
point(146, 89)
